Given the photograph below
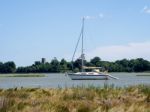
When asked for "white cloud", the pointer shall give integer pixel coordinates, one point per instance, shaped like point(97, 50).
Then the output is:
point(146, 9)
point(101, 15)
point(116, 52)
point(90, 17)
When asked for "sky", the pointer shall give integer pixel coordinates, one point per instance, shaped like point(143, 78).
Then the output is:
point(35, 29)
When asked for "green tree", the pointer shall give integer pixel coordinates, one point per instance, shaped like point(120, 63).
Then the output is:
point(63, 65)
point(77, 64)
point(95, 61)
point(1, 67)
point(9, 67)
point(55, 65)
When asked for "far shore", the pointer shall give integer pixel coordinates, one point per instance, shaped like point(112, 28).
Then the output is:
point(44, 74)
point(24, 75)
point(143, 75)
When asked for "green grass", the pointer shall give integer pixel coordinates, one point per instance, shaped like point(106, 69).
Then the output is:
point(22, 75)
point(144, 75)
point(76, 99)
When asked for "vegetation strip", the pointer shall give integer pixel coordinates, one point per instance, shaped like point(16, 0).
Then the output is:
point(76, 99)
point(143, 75)
point(23, 75)
point(56, 66)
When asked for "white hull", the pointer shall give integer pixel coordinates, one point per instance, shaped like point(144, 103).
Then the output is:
point(99, 76)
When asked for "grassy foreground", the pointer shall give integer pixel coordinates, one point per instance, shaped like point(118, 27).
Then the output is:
point(76, 99)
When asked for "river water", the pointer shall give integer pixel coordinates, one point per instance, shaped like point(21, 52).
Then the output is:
point(54, 80)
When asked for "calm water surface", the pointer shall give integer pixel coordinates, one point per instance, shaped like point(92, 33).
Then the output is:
point(60, 80)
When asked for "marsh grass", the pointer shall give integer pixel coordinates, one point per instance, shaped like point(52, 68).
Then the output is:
point(146, 90)
point(6, 104)
point(76, 99)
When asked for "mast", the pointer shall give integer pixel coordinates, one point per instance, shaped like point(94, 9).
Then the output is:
point(82, 47)
point(82, 54)
point(82, 50)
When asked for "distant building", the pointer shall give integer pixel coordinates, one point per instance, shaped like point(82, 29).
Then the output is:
point(37, 62)
point(43, 60)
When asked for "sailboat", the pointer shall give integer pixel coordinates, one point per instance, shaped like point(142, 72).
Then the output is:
point(95, 73)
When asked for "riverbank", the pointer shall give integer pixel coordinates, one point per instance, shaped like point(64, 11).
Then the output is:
point(143, 75)
point(23, 75)
point(76, 99)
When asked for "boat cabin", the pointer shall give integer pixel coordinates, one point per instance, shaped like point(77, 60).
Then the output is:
point(94, 69)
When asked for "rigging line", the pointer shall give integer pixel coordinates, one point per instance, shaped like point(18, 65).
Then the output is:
point(76, 47)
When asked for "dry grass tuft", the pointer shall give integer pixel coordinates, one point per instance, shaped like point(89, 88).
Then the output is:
point(76, 99)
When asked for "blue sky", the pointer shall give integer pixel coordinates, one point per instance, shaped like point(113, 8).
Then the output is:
point(114, 29)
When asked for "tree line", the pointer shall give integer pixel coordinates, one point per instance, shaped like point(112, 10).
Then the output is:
point(56, 66)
